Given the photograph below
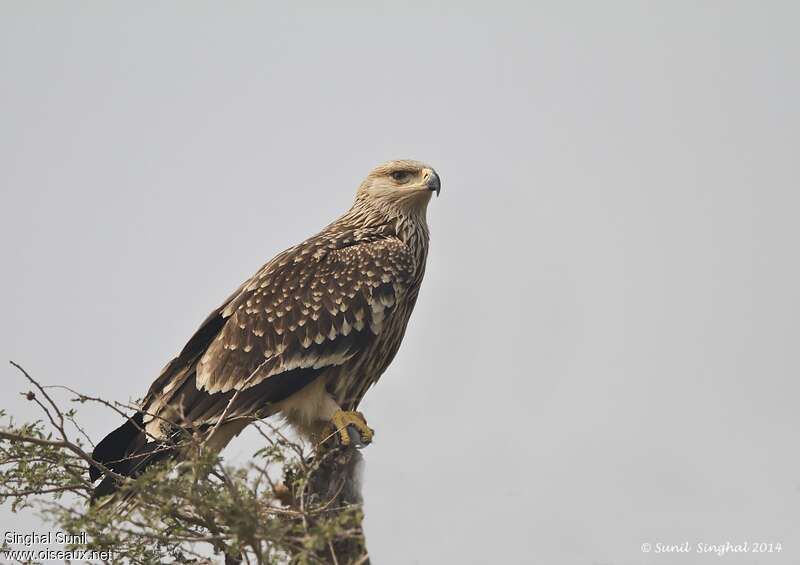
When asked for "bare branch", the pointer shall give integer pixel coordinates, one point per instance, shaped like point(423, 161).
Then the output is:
point(174, 512)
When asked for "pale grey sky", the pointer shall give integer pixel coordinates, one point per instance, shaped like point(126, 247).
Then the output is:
point(605, 350)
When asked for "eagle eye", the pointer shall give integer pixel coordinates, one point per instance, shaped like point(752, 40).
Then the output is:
point(401, 176)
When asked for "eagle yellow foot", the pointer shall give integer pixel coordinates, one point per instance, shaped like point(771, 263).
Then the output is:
point(342, 420)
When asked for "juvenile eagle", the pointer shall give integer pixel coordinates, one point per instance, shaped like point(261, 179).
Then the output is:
point(304, 337)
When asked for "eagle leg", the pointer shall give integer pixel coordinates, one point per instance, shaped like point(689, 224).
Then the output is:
point(343, 419)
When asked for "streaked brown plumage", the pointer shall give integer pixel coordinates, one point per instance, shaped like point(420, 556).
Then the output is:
point(306, 336)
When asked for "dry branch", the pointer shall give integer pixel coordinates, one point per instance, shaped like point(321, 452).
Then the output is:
point(309, 512)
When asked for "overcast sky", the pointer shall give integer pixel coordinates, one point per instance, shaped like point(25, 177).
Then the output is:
point(605, 349)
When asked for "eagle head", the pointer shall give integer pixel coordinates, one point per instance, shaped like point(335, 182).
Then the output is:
point(401, 186)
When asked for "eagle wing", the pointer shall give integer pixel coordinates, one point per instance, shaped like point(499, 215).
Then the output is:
point(312, 307)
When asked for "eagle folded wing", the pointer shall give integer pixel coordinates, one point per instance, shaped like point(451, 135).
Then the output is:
point(299, 314)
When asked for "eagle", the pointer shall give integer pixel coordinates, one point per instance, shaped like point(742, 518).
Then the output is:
point(305, 337)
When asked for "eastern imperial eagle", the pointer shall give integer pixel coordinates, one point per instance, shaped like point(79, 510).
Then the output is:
point(304, 337)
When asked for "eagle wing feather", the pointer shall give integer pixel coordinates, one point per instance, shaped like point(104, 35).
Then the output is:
point(310, 308)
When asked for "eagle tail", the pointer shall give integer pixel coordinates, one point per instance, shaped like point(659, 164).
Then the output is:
point(126, 452)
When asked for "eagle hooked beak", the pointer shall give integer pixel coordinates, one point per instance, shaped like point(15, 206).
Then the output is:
point(432, 181)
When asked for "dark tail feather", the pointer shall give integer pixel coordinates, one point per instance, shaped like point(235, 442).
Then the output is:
point(126, 452)
point(112, 451)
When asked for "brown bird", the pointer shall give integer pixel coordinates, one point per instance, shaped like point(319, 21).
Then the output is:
point(304, 337)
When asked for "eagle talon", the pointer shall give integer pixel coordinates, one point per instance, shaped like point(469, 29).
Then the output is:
point(351, 427)
point(355, 436)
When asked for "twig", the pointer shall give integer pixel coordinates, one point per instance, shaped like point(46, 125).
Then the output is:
point(77, 489)
point(63, 445)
